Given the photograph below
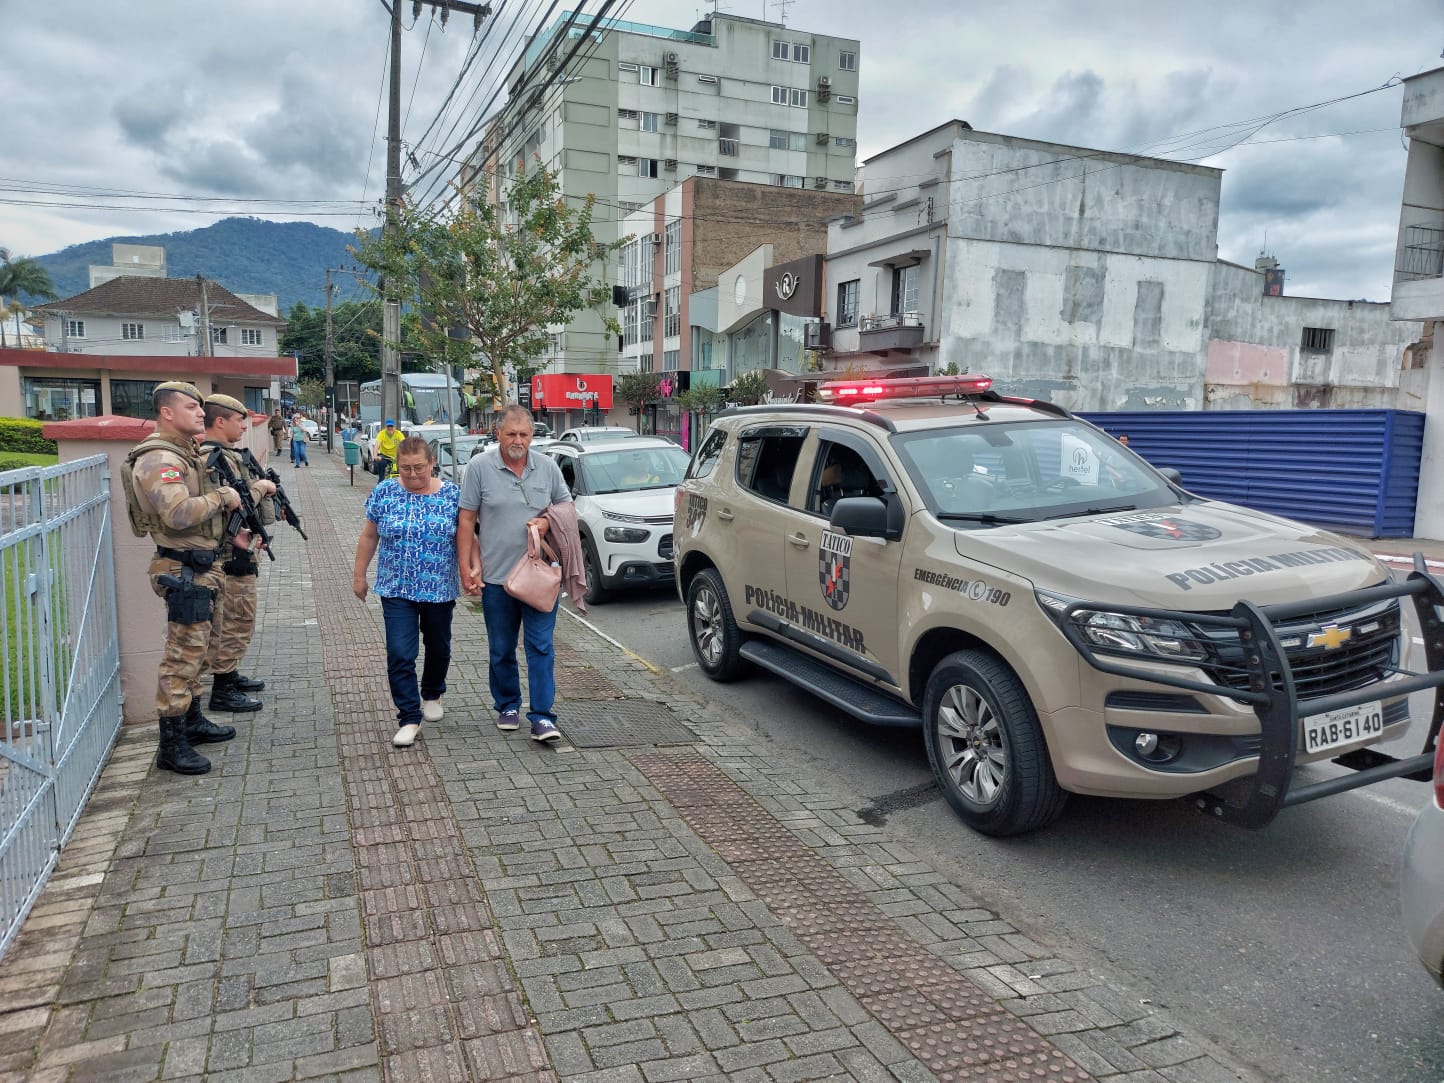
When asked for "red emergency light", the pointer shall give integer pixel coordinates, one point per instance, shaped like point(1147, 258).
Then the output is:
point(848, 392)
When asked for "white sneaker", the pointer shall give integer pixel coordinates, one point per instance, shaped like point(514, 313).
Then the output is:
point(406, 735)
point(431, 710)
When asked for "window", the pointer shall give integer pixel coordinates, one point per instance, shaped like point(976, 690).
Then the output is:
point(706, 171)
point(847, 61)
point(626, 114)
point(705, 461)
point(786, 180)
point(648, 122)
point(846, 99)
point(132, 332)
point(626, 164)
point(798, 99)
point(727, 147)
point(1317, 340)
point(622, 65)
point(131, 398)
point(779, 95)
point(672, 259)
point(777, 140)
point(55, 398)
point(766, 459)
point(794, 51)
point(706, 78)
point(646, 75)
point(843, 141)
point(709, 125)
point(218, 335)
point(780, 140)
point(905, 282)
point(671, 360)
point(847, 303)
point(842, 186)
point(672, 298)
point(646, 167)
point(250, 336)
point(843, 472)
point(74, 328)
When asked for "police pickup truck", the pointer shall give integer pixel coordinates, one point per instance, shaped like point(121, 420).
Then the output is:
point(1058, 615)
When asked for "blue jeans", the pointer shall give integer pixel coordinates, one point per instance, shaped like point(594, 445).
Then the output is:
point(505, 616)
point(406, 622)
point(298, 453)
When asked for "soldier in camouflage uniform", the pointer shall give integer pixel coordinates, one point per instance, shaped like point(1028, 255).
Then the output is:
point(227, 420)
point(169, 497)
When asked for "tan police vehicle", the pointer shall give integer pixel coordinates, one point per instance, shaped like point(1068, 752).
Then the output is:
point(1057, 614)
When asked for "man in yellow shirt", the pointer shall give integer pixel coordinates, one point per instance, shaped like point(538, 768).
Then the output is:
point(387, 441)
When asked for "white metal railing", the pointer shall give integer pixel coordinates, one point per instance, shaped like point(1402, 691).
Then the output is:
point(60, 671)
point(895, 319)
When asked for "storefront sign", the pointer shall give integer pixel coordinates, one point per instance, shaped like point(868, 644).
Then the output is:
point(795, 287)
point(571, 391)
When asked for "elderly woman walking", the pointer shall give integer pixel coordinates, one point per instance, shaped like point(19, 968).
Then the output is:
point(411, 523)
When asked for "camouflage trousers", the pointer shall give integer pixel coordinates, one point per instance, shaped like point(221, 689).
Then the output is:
point(183, 660)
point(232, 625)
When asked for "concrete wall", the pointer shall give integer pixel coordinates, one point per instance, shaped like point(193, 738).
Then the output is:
point(162, 336)
point(141, 613)
point(1256, 360)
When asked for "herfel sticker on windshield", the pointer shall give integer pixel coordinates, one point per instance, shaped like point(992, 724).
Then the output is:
point(834, 568)
point(1166, 528)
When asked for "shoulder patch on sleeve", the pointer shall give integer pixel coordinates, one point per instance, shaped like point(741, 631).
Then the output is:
point(170, 473)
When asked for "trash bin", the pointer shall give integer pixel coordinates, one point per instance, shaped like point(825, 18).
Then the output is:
point(353, 453)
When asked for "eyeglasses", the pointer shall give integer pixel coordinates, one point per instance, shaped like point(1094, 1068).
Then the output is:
point(414, 471)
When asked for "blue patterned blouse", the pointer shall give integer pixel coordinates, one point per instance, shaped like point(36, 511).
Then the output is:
point(416, 558)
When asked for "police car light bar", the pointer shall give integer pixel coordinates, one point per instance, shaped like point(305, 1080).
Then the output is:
point(847, 392)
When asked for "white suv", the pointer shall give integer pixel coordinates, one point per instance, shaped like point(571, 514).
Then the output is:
point(624, 493)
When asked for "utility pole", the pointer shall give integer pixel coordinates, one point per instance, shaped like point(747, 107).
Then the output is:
point(330, 369)
point(391, 305)
point(204, 318)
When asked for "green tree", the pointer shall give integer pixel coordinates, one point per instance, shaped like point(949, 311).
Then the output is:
point(749, 389)
point(355, 333)
point(502, 273)
point(22, 277)
point(310, 393)
point(638, 389)
point(703, 401)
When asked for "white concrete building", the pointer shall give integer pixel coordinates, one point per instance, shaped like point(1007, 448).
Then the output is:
point(640, 108)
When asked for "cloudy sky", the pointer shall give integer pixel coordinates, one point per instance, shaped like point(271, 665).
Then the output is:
point(164, 115)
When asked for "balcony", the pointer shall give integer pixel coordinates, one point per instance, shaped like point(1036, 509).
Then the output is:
point(1422, 254)
point(728, 147)
point(899, 331)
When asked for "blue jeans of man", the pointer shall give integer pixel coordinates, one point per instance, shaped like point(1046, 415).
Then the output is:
point(298, 453)
point(406, 623)
point(505, 617)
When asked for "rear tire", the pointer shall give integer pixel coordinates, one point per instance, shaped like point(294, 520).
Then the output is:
point(597, 592)
point(986, 747)
point(716, 639)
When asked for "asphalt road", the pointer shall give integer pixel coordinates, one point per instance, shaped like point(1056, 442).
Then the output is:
point(1284, 946)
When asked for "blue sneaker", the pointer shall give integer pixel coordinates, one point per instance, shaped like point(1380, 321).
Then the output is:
point(507, 721)
point(542, 730)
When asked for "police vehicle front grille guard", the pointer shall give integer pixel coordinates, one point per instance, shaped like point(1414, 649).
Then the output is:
point(1273, 696)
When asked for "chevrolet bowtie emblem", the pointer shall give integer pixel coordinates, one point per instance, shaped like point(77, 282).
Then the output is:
point(1330, 637)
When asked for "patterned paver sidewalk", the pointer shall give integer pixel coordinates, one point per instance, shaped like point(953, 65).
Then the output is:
point(651, 900)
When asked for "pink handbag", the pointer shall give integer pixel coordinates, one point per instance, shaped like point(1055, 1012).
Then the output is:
point(535, 579)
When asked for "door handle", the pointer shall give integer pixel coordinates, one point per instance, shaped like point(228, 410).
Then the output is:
point(725, 514)
point(798, 539)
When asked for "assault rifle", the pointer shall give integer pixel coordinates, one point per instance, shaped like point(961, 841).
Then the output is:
point(247, 516)
point(285, 510)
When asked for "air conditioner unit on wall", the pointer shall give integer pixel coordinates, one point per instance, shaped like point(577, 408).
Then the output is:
point(670, 59)
point(670, 164)
point(672, 119)
point(824, 82)
point(822, 138)
point(654, 238)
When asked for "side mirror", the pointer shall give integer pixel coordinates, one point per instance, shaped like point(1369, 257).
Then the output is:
point(860, 517)
point(1172, 475)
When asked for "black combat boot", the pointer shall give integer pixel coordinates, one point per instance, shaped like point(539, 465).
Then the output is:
point(247, 684)
point(200, 730)
point(225, 696)
point(176, 753)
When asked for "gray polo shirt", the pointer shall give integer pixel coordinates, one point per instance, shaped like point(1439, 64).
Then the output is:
point(504, 502)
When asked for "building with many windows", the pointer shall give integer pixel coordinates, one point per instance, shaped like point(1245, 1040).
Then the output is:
point(628, 111)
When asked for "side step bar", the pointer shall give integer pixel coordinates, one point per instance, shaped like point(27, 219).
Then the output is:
point(860, 700)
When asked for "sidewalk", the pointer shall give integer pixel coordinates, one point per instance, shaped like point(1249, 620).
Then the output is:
point(651, 900)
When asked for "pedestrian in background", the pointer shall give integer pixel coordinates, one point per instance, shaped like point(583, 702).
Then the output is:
point(277, 428)
point(169, 496)
point(411, 523)
point(227, 420)
point(299, 437)
point(388, 440)
point(509, 488)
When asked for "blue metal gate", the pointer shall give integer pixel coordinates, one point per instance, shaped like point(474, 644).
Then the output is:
point(60, 673)
point(1354, 471)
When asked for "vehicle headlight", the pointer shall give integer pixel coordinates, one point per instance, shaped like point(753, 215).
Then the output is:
point(618, 517)
point(1124, 633)
point(628, 535)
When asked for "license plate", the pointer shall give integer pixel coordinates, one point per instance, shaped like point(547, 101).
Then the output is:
point(1335, 728)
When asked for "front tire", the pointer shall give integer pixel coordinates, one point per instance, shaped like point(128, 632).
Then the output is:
point(716, 639)
point(986, 747)
point(597, 592)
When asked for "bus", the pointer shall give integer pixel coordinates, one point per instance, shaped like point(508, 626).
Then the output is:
point(423, 399)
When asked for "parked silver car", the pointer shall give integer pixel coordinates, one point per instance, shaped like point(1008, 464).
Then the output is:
point(1421, 881)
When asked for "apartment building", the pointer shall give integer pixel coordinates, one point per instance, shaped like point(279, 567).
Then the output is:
point(628, 111)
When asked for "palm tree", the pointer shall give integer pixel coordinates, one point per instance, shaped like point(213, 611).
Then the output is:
point(22, 276)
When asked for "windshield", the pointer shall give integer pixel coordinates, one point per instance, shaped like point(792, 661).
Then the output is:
point(990, 472)
point(634, 468)
point(464, 449)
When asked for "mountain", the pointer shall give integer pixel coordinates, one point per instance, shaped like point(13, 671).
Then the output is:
point(246, 255)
